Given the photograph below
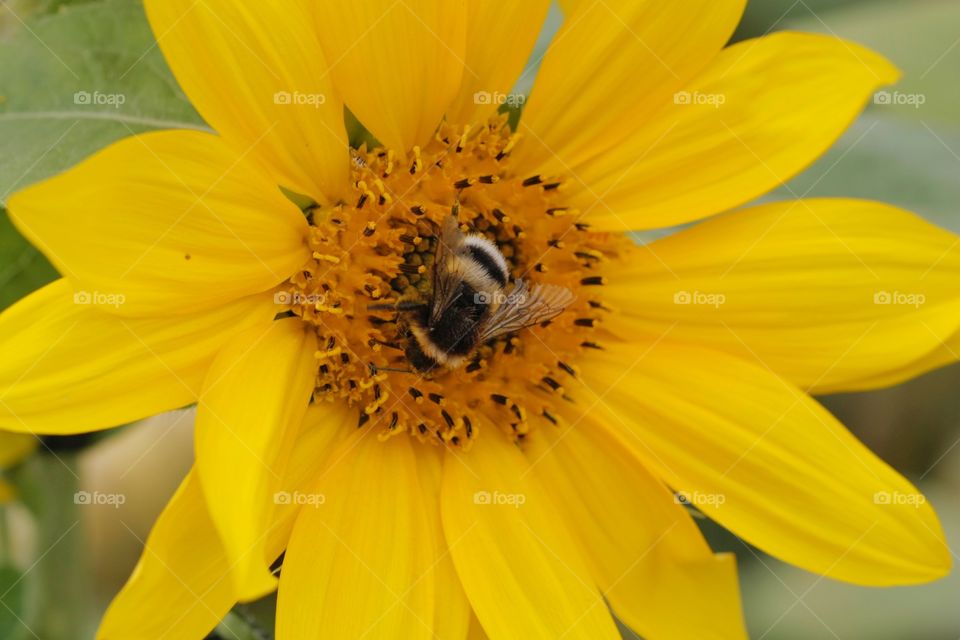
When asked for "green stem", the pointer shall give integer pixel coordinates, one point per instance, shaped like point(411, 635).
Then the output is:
point(59, 581)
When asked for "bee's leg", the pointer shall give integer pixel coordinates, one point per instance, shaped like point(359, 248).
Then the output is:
point(391, 345)
point(406, 305)
point(374, 369)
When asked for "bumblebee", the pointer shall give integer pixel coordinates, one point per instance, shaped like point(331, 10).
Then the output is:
point(472, 302)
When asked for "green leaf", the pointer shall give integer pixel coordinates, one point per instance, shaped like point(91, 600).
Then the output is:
point(253, 621)
point(524, 84)
point(59, 595)
point(761, 17)
point(72, 82)
point(54, 69)
point(18, 12)
point(11, 615)
point(22, 268)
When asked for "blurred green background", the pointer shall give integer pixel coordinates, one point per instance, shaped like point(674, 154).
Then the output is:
point(59, 564)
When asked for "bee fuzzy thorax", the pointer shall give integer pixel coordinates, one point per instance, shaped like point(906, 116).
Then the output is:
point(449, 222)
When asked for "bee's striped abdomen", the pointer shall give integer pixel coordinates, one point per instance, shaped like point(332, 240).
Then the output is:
point(488, 257)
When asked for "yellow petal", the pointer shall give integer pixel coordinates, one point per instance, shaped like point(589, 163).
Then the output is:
point(476, 632)
point(947, 353)
point(254, 400)
point(396, 64)
point(612, 65)
point(324, 425)
point(453, 613)
point(255, 72)
point(164, 223)
point(182, 586)
point(644, 550)
point(760, 113)
point(69, 368)
point(500, 37)
point(524, 575)
point(359, 565)
point(763, 459)
point(828, 293)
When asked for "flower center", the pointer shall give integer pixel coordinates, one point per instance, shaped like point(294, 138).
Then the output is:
point(373, 259)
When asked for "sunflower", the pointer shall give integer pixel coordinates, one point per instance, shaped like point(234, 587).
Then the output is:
point(549, 479)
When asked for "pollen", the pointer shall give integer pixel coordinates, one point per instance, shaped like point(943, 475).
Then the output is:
point(373, 254)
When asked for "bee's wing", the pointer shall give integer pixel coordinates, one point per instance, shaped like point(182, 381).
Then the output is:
point(526, 307)
point(446, 275)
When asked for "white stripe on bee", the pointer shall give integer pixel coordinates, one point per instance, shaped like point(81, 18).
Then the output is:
point(490, 250)
point(474, 274)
